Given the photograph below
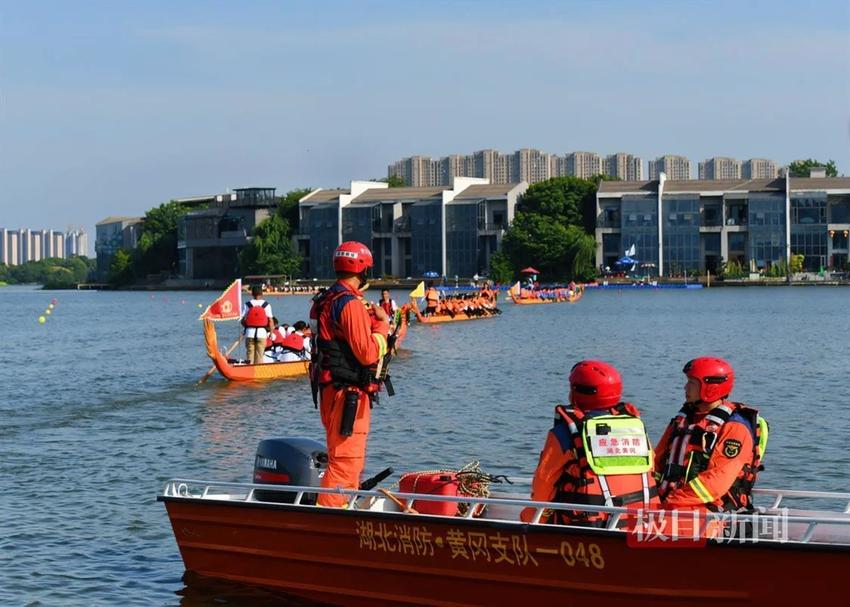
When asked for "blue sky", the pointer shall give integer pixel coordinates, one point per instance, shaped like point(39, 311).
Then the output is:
point(111, 107)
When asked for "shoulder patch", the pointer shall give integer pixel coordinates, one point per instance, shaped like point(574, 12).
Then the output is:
point(731, 448)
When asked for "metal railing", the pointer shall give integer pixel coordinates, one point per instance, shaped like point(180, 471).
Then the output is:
point(212, 490)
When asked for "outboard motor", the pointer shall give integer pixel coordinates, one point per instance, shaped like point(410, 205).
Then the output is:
point(289, 461)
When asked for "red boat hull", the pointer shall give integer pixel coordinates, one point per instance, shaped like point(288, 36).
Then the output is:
point(372, 558)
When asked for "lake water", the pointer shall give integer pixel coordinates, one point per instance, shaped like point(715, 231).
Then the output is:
point(100, 407)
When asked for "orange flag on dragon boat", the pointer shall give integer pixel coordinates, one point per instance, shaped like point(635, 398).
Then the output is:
point(228, 306)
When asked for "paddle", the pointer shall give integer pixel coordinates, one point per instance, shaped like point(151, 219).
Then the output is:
point(226, 354)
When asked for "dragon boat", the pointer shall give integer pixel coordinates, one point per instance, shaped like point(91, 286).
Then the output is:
point(525, 301)
point(381, 551)
point(243, 372)
point(443, 318)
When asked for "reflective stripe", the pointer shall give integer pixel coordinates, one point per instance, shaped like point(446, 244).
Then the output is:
point(382, 344)
point(645, 480)
point(702, 493)
point(606, 492)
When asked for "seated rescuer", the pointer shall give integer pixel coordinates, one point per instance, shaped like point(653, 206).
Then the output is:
point(597, 453)
point(350, 346)
point(710, 454)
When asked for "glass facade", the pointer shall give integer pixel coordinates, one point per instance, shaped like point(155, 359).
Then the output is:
point(323, 229)
point(681, 216)
point(357, 225)
point(839, 209)
point(766, 217)
point(639, 227)
point(426, 242)
point(808, 229)
point(611, 249)
point(462, 239)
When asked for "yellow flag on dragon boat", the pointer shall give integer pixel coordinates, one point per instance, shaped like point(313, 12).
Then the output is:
point(419, 291)
point(514, 290)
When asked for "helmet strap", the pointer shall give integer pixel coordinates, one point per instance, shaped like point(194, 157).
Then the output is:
point(363, 278)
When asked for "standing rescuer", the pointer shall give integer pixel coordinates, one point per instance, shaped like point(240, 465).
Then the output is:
point(597, 453)
point(258, 321)
point(350, 346)
point(710, 454)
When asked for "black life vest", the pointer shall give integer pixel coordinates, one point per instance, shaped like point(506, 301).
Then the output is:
point(333, 361)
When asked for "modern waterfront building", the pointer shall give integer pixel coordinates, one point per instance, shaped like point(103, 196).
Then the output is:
point(759, 168)
point(111, 234)
point(22, 246)
point(410, 231)
point(624, 167)
point(681, 226)
point(675, 167)
point(719, 167)
point(210, 238)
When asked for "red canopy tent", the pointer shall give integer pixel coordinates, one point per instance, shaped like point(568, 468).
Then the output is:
point(530, 270)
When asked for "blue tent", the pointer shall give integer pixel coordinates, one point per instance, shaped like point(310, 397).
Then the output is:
point(626, 261)
point(431, 274)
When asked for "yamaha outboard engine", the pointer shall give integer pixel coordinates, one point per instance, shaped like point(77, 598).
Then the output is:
point(289, 461)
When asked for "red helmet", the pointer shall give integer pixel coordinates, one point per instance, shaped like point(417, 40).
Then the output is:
point(716, 377)
point(595, 385)
point(352, 257)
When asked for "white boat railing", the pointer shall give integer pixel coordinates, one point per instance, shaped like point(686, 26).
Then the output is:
point(246, 492)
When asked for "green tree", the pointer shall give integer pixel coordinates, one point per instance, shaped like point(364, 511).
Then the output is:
point(582, 256)
point(288, 206)
point(800, 168)
point(393, 181)
point(797, 263)
point(550, 230)
point(157, 248)
point(561, 198)
point(121, 269)
point(270, 250)
point(58, 277)
point(501, 269)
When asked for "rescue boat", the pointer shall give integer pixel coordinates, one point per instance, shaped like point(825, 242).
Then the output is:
point(526, 301)
point(380, 551)
point(239, 372)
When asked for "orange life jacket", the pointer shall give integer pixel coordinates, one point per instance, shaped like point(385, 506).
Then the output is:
point(691, 445)
point(256, 317)
point(432, 296)
point(274, 339)
point(580, 484)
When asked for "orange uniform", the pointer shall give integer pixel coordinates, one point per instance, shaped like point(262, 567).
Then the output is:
point(344, 324)
point(706, 460)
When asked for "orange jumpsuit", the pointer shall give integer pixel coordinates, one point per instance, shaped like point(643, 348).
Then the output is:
point(553, 461)
point(733, 450)
point(367, 338)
